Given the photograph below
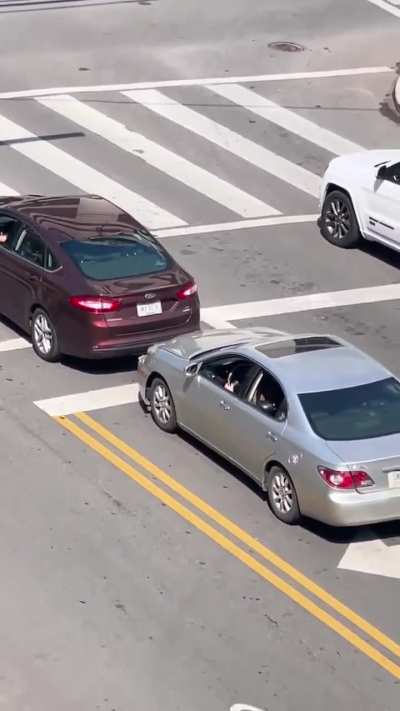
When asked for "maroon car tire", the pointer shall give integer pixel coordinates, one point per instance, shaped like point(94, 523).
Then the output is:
point(44, 337)
point(162, 406)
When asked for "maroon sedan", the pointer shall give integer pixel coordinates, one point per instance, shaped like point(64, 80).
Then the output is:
point(86, 279)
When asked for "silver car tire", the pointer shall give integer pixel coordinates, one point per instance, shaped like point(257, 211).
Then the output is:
point(282, 496)
point(162, 406)
point(338, 223)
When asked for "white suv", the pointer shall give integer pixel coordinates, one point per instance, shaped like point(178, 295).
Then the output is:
point(360, 197)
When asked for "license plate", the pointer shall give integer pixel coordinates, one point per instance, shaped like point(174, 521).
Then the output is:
point(394, 480)
point(149, 309)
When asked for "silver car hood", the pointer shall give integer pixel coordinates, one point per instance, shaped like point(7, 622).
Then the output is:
point(367, 450)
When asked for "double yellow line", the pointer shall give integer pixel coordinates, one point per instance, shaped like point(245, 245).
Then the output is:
point(231, 546)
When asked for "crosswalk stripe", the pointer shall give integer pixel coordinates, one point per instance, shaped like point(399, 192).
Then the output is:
point(83, 176)
point(91, 400)
point(6, 191)
point(14, 344)
point(239, 225)
point(163, 159)
point(290, 120)
point(387, 6)
point(304, 302)
point(227, 139)
point(275, 77)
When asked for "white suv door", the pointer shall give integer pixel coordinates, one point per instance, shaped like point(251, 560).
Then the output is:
point(382, 203)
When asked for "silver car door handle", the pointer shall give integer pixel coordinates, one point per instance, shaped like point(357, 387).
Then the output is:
point(272, 436)
point(224, 405)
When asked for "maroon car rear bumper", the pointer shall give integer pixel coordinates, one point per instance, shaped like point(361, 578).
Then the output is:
point(112, 347)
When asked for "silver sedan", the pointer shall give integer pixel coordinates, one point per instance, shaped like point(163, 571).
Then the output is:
point(312, 419)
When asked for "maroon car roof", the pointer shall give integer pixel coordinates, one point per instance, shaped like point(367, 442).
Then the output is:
point(70, 217)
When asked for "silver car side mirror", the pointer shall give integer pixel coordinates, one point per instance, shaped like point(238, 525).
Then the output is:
point(192, 370)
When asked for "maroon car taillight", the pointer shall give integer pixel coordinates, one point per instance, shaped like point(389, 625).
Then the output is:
point(189, 289)
point(339, 479)
point(95, 304)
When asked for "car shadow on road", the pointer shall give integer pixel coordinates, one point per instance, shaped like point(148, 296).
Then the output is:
point(345, 535)
point(379, 251)
point(109, 366)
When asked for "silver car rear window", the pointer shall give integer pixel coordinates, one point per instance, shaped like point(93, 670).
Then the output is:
point(362, 412)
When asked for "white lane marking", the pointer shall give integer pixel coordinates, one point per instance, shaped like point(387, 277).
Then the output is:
point(373, 558)
point(6, 191)
point(222, 316)
point(14, 344)
point(288, 76)
point(306, 302)
point(83, 176)
point(91, 400)
point(167, 161)
point(290, 120)
point(227, 139)
point(234, 226)
point(387, 6)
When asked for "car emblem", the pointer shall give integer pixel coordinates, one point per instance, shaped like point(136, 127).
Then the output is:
point(149, 296)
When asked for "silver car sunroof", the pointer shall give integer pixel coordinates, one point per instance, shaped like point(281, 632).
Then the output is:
point(295, 346)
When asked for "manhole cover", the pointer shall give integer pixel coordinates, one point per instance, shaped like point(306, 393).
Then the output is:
point(287, 46)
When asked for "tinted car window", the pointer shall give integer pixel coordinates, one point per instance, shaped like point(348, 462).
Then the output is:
point(363, 412)
point(117, 257)
point(394, 173)
point(267, 395)
point(30, 247)
point(233, 373)
point(51, 261)
point(11, 229)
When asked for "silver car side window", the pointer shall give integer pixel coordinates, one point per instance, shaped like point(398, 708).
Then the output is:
point(267, 395)
point(231, 373)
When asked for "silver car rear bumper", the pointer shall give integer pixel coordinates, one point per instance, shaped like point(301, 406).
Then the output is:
point(341, 508)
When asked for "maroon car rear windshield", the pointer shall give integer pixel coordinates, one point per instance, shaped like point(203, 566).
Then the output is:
point(116, 257)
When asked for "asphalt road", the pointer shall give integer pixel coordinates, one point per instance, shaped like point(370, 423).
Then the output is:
point(120, 588)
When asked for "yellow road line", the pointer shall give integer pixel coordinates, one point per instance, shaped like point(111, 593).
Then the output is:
point(232, 548)
point(243, 536)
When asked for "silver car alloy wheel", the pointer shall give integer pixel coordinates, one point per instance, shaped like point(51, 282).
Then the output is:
point(282, 492)
point(43, 334)
point(162, 404)
point(338, 219)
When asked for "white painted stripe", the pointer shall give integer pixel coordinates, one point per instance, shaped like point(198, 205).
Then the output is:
point(167, 161)
point(14, 344)
point(291, 121)
point(288, 76)
point(83, 176)
point(227, 139)
point(91, 400)
point(235, 226)
point(306, 302)
point(388, 7)
point(222, 316)
point(5, 190)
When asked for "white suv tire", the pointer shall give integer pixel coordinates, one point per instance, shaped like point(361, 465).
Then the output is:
point(338, 223)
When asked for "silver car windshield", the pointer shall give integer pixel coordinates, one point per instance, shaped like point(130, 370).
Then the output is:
point(362, 412)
